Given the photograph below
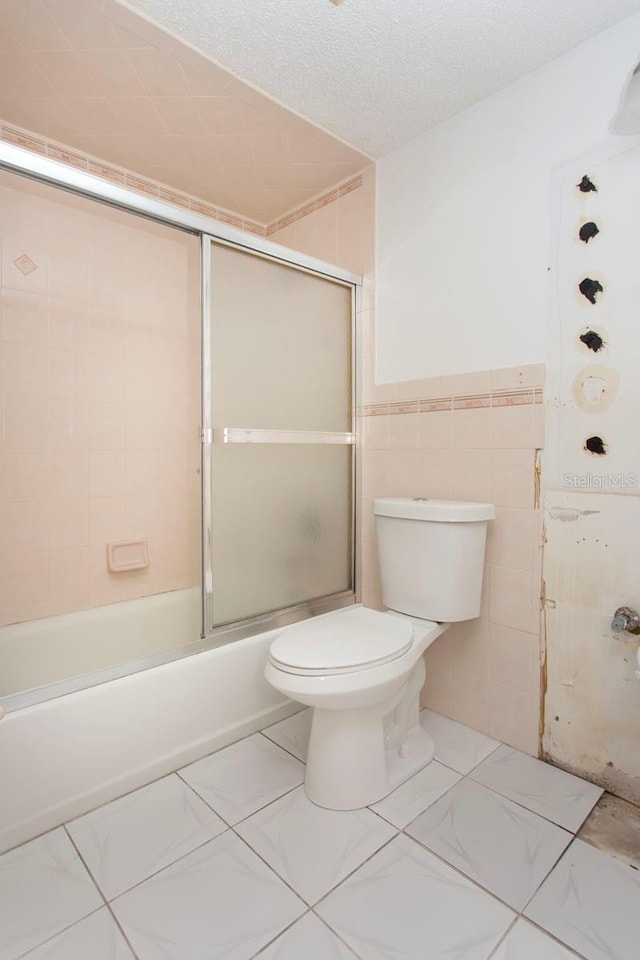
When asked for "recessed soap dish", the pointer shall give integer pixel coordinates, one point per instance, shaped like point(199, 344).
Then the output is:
point(123, 555)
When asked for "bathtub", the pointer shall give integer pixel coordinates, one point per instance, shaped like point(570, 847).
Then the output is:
point(65, 755)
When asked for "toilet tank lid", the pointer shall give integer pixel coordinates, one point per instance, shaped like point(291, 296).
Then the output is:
point(446, 511)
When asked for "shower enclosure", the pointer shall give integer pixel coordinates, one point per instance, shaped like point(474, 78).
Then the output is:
point(177, 457)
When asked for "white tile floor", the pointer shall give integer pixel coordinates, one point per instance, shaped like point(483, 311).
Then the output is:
point(473, 858)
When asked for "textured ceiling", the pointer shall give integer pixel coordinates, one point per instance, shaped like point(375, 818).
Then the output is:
point(378, 72)
point(96, 76)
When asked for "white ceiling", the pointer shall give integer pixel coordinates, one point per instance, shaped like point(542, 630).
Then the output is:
point(379, 72)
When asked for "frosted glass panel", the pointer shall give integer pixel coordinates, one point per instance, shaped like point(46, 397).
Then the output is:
point(281, 346)
point(281, 526)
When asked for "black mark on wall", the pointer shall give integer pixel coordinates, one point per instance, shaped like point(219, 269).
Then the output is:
point(589, 288)
point(587, 186)
point(592, 340)
point(588, 231)
point(595, 445)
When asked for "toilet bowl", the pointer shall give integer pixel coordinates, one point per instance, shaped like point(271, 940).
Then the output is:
point(362, 672)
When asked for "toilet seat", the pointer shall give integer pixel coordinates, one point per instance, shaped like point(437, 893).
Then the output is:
point(345, 642)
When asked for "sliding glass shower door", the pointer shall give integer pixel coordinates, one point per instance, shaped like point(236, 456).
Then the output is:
point(277, 437)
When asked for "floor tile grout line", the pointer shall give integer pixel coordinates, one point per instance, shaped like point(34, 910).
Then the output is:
point(355, 869)
point(122, 931)
point(311, 906)
point(237, 823)
point(503, 937)
point(522, 806)
point(58, 933)
point(552, 936)
point(99, 889)
point(547, 875)
point(537, 812)
point(457, 870)
point(336, 934)
point(273, 871)
point(281, 933)
point(276, 744)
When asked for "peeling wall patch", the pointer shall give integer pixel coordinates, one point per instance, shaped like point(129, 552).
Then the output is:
point(569, 514)
point(592, 340)
point(589, 288)
point(588, 231)
point(587, 185)
point(595, 387)
point(595, 445)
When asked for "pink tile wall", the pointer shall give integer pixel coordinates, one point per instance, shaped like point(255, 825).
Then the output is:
point(338, 227)
point(99, 386)
point(470, 437)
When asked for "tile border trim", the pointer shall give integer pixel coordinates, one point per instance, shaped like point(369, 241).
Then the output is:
point(498, 398)
point(11, 133)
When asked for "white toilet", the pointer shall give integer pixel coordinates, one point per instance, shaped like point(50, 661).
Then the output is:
point(362, 671)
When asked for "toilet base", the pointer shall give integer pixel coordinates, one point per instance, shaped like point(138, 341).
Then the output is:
point(348, 766)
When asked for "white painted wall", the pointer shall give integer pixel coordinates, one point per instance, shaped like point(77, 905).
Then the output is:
point(463, 216)
point(592, 504)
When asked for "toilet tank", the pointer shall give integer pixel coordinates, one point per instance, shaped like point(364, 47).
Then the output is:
point(431, 555)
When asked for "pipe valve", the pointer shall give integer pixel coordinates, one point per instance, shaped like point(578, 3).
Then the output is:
point(625, 619)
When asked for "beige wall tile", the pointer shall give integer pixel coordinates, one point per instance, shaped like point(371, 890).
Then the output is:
point(375, 474)
point(375, 432)
point(514, 602)
point(512, 478)
point(435, 430)
point(514, 658)
point(465, 384)
point(403, 431)
point(402, 473)
point(514, 717)
point(435, 471)
point(513, 427)
point(470, 700)
point(470, 646)
point(510, 378)
point(471, 475)
point(510, 538)
point(471, 429)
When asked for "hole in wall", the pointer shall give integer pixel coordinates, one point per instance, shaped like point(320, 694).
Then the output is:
point(595, 445)
point(588, 231)
point(592, 339)
point(587, 185)
point(590, 289)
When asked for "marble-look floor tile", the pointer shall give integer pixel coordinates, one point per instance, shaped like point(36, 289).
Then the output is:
point(457, 746)
point(503, 847)
point(406, 904)
point(416, 794)
point(313, 849)
point(220, 902)
point(293, 733)
point(97, 937)
point(44, 887)
point(539, 786)
point(526, 942)
point(244, 777)
point(308, 939)
point(129, 839)
point(592, 903)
